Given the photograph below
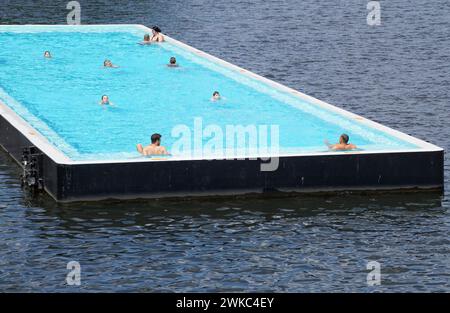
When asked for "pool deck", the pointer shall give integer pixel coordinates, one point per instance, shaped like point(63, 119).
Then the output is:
point(69, 180)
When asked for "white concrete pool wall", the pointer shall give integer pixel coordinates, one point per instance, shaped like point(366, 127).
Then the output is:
point(42, 143)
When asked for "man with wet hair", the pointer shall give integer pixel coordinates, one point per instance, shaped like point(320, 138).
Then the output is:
point(342, 145)
point(154, 148)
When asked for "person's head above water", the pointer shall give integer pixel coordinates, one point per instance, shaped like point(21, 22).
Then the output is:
point(156, 30)
point(107, 63)
point(342, 145)
point(156, 139)
point(216, 95)
point(344, 139)
point(47, 54)
point(172, 62)
point(146, 37)
point(105, 99)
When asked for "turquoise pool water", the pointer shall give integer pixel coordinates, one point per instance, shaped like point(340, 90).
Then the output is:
point(59, 96)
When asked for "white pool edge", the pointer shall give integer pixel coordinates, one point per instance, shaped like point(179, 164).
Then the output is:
point(33, 135)
point(43, 144)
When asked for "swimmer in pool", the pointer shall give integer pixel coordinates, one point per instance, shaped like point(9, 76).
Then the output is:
point(146, 40)
point(215, 96)
point(172, 62)
point(154, 148)
point(47, 55)
point(108, 63)
point(156, 35)
point(105, 101)
point(342, 145)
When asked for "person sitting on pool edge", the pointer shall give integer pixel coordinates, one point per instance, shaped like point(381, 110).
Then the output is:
point(215, 96)
point(146, 40)
point(154, 148)
point(342, 145)
point(105, 101)
point(47, 55)
point(157, 36)
point(172, 62)
point(108, 63)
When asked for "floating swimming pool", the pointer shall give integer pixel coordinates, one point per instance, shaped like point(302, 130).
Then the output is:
point(54, 105)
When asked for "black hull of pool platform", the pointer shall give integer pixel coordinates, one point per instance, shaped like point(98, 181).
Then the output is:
point(382, 171)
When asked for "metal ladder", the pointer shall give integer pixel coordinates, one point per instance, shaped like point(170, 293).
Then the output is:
point(31, 177)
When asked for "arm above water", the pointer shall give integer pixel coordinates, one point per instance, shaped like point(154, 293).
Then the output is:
point(143, 150)
point(164, 151)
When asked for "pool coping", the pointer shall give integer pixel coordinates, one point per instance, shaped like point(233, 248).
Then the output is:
point(60, 157)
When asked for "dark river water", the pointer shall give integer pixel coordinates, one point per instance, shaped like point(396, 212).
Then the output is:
point(397, 74)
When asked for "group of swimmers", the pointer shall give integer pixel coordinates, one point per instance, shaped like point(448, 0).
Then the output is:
point(156, 36)
point(155, 147)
